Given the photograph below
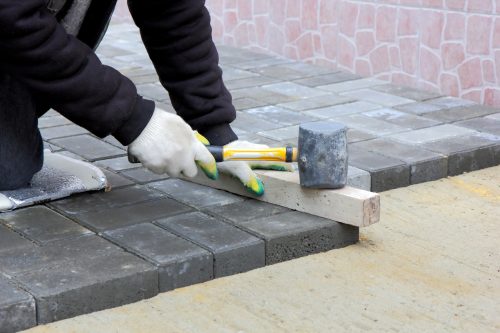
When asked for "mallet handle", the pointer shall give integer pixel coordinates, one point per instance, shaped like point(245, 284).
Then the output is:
point(281, 154)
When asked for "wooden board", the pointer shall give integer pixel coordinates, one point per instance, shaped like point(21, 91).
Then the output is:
point(347, 205)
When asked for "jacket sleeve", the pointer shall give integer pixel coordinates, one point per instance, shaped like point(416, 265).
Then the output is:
point(67, 74)
point(178, 38)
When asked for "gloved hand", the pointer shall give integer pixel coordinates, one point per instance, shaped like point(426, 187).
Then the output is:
point(168, 145)
point(243, 170)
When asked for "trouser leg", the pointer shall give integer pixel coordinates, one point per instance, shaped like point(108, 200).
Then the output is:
point(21, 145)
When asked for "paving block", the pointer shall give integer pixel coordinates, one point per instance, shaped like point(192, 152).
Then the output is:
point(282, 134)
point(354, 135)
point(99, 201)
point(401, 119)
point(450, 102)
point(117, 217)
point(485, 124)
point(245, 103)
point(49, 133)
point(377, 97)
point(143, 175)
point(263, 95)
point(385, 172)
point(461, 113)
point(9, 239)
point(327, 79)
point(352, 85)
point(235, 251)
point(194, 195)
point(435, 133)
point(246, 210)
point(117, 164)
point(343, 109)
point(42, 224)
point(419, 108)
point(294, 90)
point(280, 116)
point(153, 91)
point(469, 152)
point(57, 120)
point(229, 73)
point(255, 81)
point(180, 262)
point(285, 71)
point(89, 147)
point(316, 102)
point(89, 284)
point(17, 308)
point(295, 234)
point(260, 62)
point(251, 124)
point(358, 178)
point(116, 181)
point(369, 125)
point(407, 92)
point(424, 165)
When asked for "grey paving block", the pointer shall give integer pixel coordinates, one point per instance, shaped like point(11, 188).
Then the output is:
point(377, 97)
point(263, 95)
point(113, 141)
point(282, 134)
point(420, 108)
point(261, 62)
point(193, 194)
point(57, 120)
point(326, 79)
point(86, 202)
point(51, 147)
point(495, 116)
point(288, 71)
point(385, 172)
point(343, 109)
point(42, 224)
point(461, 113)
point(483, 124)
point(89, 147)
point(246, 210)
point(401, 119)
point(229, 74)
point(359, 178)
point(89, 284)
point(450, 102)
point(369, 125)
point(316, 102)
point(352, 85)
point(354, 135)
point(407, 92)
point(143, 175)
point(153, 91)
point(180, 262)
point(117, 164)
point(61, 131)
point(280, 116)
point(425, 135)
point(116, 181)
point(295, 234)
point(234, 250)
point(469, 152)
point(17, 308)
point(252, 124)
point(255, 138)
point(294, 90)
point(247, 103)
point(424, 165)
point(255, 81)
point(118, 217)
point(9, 239)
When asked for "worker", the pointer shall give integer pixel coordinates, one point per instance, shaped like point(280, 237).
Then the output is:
point(47, 61)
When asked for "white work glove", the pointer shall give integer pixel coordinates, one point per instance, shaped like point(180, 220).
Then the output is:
point(168, 145)
point(243, 170)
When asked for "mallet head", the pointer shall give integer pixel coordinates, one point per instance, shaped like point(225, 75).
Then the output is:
point(322, 155)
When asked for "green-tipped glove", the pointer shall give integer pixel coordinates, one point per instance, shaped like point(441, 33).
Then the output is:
point(243, 170)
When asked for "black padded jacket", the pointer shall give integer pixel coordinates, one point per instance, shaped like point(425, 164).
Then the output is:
point(65, 74)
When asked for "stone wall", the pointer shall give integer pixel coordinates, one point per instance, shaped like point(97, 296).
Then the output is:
point(450, 46)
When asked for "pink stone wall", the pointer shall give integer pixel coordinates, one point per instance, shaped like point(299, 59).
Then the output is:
point(451, 46)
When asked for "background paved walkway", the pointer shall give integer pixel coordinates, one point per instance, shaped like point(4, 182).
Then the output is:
point(430, 265)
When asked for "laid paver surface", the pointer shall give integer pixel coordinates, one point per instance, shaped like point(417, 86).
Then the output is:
point(430, 265)
point(71, 256)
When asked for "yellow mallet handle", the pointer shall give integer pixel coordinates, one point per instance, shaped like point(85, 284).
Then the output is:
point(282, 154)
